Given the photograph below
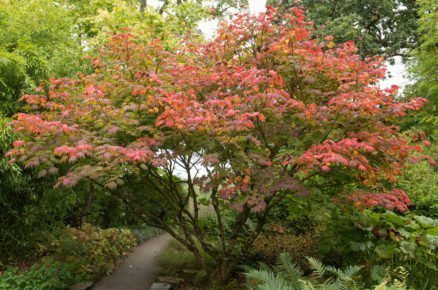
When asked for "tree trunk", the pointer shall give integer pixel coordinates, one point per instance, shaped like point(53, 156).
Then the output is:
point(143, 4)
point(87, 207)
point(161, 11)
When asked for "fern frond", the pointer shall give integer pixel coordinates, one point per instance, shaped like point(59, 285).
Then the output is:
point(317, 266)
point(332, 270)
point(289, 270)
point(288, 275)
point(341, 285)
point(307, 285)
point(264, 267)
point(381, 286)
point(349, 272)
point(267, 280)
point(246, 268)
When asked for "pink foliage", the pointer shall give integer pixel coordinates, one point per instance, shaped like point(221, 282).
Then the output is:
point(397, 199)
point(261, 118)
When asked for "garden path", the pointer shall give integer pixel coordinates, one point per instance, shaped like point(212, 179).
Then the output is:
point(138, 270)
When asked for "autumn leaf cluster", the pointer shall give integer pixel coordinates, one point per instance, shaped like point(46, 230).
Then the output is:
point(265, 106)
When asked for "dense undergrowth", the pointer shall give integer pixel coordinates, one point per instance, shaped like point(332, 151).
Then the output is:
point(390, 251)
point(73, 255)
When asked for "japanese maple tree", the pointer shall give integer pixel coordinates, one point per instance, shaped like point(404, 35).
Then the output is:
point(248, 117)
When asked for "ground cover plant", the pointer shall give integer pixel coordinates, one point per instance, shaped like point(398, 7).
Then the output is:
point(289, 276)
point(262, 112)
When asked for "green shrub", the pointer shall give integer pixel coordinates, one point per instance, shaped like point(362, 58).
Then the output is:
point(71, 255)
point(90, 252)
point(208, 224)
point(13, 81)
point(30, 208)
point(144, 233)
point(420, 181)
point(177, 261)
point(177, 257)
point(268, 246)
point(46, 275)
point(385, 241)
point(300, 215)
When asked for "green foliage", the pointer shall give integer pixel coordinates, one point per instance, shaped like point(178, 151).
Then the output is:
point(176, 257)
point(13, 79)
point(47, 275)
point(208, 224)
point(289, 276)
point(301, 215)
point(11, 173)
point(220, 9)
point(101, 18)
point(89, 252)
point(144, 233)
point(269, 245)
point(185, 17)
point(32, 48)
point(33, 44)
point(386, 240)
point(96, 19)
point(29, 209)
point(384, 27)
point(28, 217)
point(177, 261)
point(72, 256)
point(45, 39)
point(420, 181)
point(37, 69)
point(426, 52)
point(423, 70)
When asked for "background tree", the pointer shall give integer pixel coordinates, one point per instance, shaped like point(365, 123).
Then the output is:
point(32, 48)
point(13, 81)
point(30, 208)
point(421, 180)
point(216, 8)
point(423, 69)
point(387, 28)
point(34, 44)
point(251, 117)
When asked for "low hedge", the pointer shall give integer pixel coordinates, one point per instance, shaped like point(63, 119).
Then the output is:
point(72, 255)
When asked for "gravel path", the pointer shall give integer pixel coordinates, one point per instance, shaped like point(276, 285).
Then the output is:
point(137, 272)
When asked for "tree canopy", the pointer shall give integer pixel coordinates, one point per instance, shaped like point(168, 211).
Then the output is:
point(250, 117)
point(384, 27)
point(423, 68)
